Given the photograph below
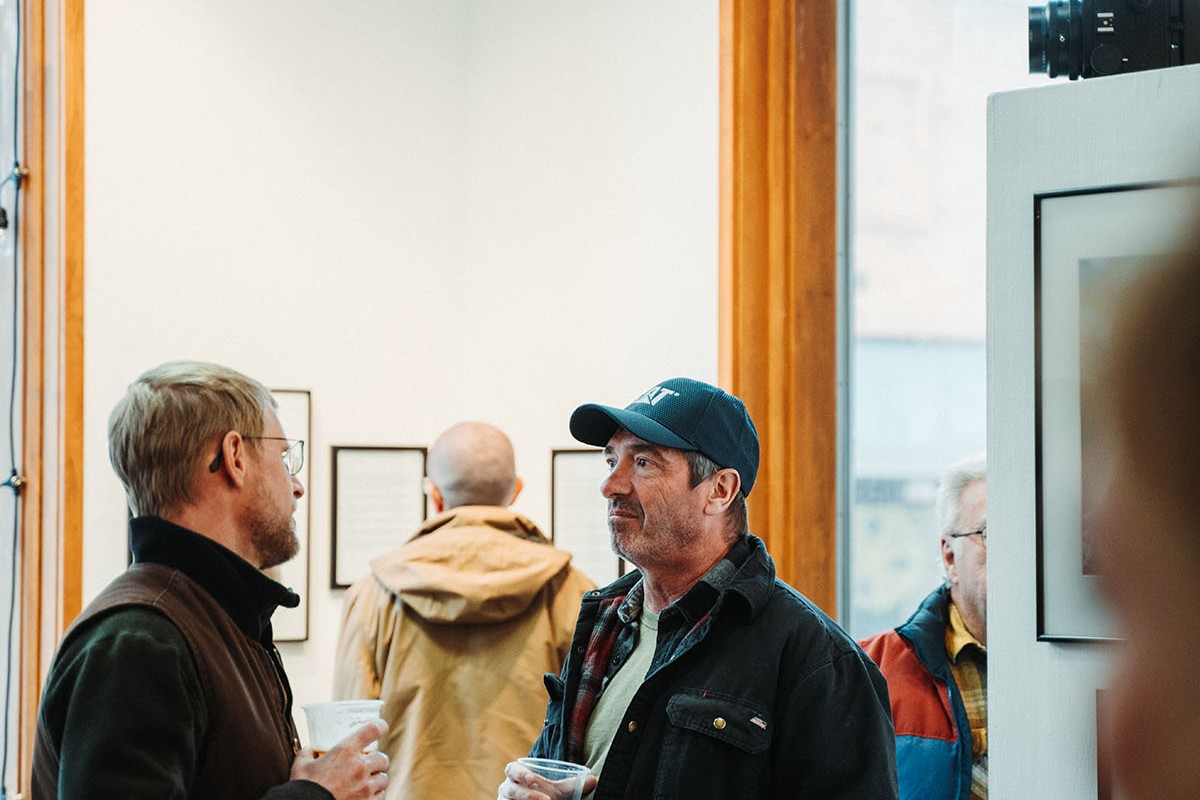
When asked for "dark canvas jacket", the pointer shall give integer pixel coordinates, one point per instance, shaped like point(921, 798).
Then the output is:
point(933, 736)
point(765, 698)
point(168, 684)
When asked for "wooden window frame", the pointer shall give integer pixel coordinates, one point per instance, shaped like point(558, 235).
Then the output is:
point(779, 296)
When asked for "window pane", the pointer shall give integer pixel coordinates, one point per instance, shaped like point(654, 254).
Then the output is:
point(920, 75)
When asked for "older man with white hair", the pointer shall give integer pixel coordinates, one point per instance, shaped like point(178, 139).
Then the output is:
point(936, 662)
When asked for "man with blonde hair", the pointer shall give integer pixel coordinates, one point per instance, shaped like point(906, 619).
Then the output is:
point(168, 684)
point(454, 629)
point(936, 662)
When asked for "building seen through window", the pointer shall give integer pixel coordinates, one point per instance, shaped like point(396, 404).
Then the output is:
point(920, 73)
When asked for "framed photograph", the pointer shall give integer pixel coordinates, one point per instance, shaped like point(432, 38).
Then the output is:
point(579, 513)
point(295, 414)
point(1088, 244)
point(378, 503)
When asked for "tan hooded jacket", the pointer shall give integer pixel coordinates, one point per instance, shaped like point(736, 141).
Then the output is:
point(453, 632)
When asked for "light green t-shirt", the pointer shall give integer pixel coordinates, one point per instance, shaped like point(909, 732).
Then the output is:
point(614, 700)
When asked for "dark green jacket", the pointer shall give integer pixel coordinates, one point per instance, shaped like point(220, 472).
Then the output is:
point(168, 685)
point(764, 698)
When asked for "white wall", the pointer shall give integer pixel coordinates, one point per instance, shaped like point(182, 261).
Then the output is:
point(1100, 132)
point(423, 211)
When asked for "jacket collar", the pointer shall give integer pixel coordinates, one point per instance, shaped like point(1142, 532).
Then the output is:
point(926, 628)
point(246, 594)
point(753, 580)
point(497, 517)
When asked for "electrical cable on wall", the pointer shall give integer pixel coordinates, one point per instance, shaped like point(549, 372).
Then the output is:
point(15, 480)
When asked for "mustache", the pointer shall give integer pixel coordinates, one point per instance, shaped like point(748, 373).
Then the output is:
point(622, 506)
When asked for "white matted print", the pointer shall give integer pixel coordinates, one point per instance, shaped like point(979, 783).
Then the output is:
point(378, 504)
point(1088, 245)
point(579, 513)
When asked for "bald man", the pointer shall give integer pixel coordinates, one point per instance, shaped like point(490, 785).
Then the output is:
point(454, 630)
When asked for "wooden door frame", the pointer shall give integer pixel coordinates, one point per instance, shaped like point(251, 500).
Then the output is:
point(779, 292)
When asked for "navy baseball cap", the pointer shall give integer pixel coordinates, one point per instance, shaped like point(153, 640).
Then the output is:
point(683, 414)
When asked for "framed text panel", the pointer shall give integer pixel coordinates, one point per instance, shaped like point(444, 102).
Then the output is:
point(378, 503)
point(579, 513)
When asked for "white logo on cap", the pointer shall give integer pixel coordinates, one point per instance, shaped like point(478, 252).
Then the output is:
point(654, 395)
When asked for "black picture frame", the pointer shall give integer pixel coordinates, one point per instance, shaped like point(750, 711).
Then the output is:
point(384, 506)
point(1088, 243)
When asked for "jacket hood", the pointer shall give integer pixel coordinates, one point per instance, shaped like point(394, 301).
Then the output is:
point(472, 564)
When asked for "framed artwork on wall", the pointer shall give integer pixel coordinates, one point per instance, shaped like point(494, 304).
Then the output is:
point(378, 503)
point(579, 513)
point(1088, 244)
point(295, 414)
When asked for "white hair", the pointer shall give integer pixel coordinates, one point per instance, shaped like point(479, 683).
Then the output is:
point(949, 493)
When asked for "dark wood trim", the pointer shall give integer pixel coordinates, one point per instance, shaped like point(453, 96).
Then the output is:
point(778, 270)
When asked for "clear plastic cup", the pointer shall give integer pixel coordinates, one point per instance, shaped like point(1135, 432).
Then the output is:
point(330, 723)
point(569, 776)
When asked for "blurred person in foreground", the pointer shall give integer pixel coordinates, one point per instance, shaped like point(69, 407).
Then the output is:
point(701, 674)
point(936, 662)
point(168, 684)
point(454, 629)
point(1149, 542)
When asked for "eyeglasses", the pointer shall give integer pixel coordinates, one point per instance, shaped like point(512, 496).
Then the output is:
point(293, 456)
point(981, 533)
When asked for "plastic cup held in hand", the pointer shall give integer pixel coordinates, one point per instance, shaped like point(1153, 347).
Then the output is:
point(330, 723)
point(569, 776)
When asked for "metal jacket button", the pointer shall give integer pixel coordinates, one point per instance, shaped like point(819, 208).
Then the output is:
point(632, 725)
point(719, 723)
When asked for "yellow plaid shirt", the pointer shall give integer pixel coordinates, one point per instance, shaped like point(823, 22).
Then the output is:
point(968, 662)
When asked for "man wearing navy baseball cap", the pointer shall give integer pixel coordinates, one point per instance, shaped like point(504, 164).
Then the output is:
point(701, 674)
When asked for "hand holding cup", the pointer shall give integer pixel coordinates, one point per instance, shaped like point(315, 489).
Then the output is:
point(545, 779)
point(348, 770)
point(342, 756)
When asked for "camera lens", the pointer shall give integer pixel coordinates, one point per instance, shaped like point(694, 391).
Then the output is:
point(1056, 38)
point(1039, 29)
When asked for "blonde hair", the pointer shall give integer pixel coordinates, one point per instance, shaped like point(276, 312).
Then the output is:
point(167, 419)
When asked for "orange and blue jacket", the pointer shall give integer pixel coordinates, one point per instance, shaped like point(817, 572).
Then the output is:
point(933, 737)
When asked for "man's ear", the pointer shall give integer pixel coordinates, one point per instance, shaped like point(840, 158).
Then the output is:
point(435, 497)
point(520, 484)
point(948, 560)
point(723, 488)
point(234, 457)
